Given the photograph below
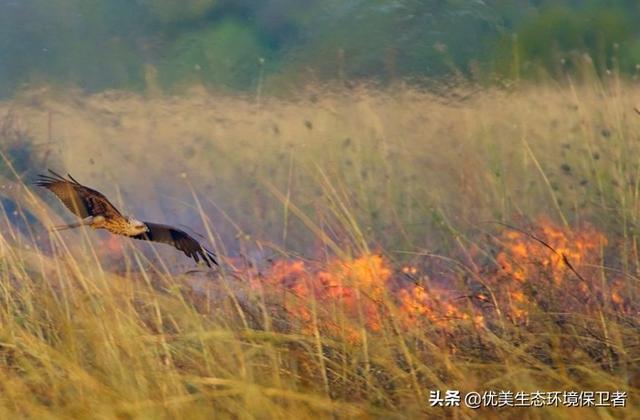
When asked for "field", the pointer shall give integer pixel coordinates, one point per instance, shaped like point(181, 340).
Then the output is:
point(377, 245)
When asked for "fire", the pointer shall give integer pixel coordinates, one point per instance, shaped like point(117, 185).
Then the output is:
point(523, 256)
point(361, 290)
point(550, 267)
point(543, 260)
point(410, 270)
point(617, 294)
point(356, 286)
point(437, 306)
point(368, 273)
point(111, 248)
point(114, 244)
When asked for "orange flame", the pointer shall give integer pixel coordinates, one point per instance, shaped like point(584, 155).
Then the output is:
point(435, 305)
point(346, 298)
point(533, 265)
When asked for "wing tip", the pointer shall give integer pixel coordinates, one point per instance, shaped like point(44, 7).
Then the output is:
point(44, 180)
point(212, 257)
point(207, 256)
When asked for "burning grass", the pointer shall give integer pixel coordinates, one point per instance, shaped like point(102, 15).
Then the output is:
point(345, 337)
point(360, 272)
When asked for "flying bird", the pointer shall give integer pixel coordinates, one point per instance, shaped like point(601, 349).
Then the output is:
point(96, 211)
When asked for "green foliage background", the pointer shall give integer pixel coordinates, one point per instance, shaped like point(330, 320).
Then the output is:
point(100, 44)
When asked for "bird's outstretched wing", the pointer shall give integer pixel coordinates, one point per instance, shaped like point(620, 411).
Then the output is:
point(82, 201)
point(179, 239)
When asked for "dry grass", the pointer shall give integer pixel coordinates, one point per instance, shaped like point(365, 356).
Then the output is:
point(300, 196)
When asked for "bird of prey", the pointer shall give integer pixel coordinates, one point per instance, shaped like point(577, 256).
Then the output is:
point(97, 212)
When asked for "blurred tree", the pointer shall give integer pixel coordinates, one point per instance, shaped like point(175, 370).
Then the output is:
point(555, 38)
point(226, 54)
point(91, 44)
point(99, 44)
point(172, 11)
point(401, 38)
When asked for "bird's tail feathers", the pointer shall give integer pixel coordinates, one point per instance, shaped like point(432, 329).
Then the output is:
point(83, 222)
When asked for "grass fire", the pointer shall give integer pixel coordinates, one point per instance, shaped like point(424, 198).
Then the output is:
point(375, 246)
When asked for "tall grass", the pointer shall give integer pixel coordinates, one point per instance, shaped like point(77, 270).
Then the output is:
point(299, 196)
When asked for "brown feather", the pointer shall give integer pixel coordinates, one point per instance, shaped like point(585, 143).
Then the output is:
point(179, 239)
point(82, 201)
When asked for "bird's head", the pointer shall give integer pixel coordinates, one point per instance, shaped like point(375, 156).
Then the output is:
point(136, 227)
